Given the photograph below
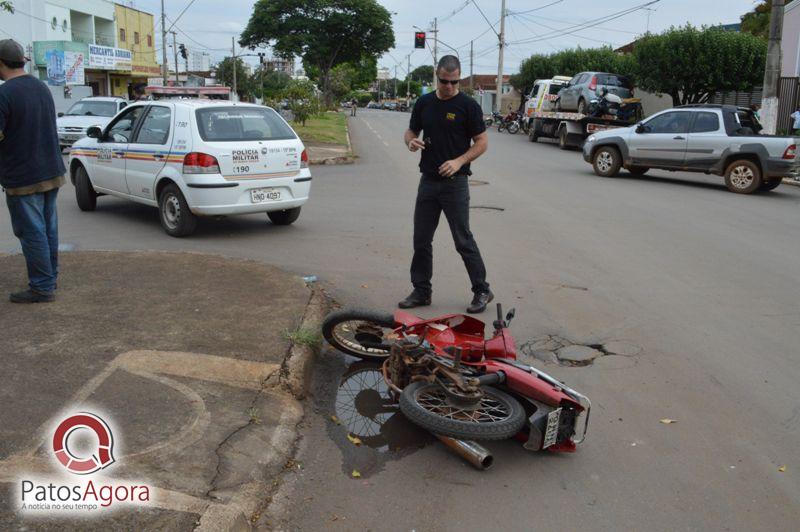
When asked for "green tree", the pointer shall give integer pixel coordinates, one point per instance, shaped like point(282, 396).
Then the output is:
point(691, 64)
point(325, 33)
point(757, 20)
point(7, 6)
point(272, 82)
point(302, 98)
point(422, 73)
point(244, 83)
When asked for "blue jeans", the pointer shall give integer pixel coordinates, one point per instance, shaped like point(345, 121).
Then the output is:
point(35, 223)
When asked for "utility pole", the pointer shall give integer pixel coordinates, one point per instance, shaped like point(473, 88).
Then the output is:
point(395, 82)
point(772, 74)
point(408, 78)
point(435, 50)
point(163, 44)
point(175, 49)
point(234, 96)
point(470, 65)
point(502, 37)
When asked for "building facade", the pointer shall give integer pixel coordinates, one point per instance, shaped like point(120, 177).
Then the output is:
point(135, 33)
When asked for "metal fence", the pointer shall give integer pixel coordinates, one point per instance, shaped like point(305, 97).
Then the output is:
point(788, 96)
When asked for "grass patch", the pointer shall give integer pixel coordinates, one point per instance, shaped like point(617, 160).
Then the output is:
point(302, 336)
point(327, 128)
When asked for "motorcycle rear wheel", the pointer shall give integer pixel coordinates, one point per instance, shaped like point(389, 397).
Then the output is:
point(498, 416)
point(360, 333)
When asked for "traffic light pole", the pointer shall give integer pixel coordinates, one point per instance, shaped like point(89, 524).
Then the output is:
point(234, 96)
point(435, 50)
point(502, 37)
point(175, 49)
point(163, 44)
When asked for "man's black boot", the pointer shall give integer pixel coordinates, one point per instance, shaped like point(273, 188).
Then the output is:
point(415, 299)
point(480, 301)
point(29, 296)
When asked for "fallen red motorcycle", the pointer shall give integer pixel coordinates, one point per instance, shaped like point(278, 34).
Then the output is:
point(452, 381)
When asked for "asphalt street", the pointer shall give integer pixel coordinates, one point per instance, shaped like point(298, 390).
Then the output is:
point(699, 285)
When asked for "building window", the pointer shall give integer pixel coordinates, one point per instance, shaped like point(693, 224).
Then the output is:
point(54, 23)
point(135, 37)
point(64, 25)
point(150, 41)
point(122, 35)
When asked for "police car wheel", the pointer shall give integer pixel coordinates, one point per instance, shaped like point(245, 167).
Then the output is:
point(176, 217)
point(286, 217)
point(84, 192)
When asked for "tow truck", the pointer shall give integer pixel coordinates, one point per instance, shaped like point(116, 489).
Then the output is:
point(569, 128)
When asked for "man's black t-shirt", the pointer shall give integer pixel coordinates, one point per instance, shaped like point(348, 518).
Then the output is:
point(448, 127)
point(29, 151)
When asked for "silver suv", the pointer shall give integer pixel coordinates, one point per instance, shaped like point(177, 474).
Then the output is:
point(585, 86)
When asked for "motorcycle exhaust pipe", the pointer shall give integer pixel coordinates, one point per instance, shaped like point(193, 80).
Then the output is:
point(475, 454)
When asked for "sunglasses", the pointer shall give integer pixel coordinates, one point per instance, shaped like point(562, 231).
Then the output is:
point(450, 81)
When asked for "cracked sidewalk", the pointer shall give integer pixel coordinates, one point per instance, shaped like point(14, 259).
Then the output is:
point(189, 357)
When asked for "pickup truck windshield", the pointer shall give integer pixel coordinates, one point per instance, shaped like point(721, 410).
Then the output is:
point(231, 124)
point(93, 109)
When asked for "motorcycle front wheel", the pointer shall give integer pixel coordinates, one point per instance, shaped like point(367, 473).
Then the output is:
point(361, 333)
point(497, 416)
point(513, 127)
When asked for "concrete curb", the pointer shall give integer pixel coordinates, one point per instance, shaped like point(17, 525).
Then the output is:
point(791, 181)
point(249, 500)
point(344, 159)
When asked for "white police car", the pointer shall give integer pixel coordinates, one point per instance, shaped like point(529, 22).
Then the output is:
point(194, 158)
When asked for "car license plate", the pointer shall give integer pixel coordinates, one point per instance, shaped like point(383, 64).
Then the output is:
point(262, 195)
point(551, 434)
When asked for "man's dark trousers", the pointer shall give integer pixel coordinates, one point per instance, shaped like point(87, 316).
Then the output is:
point(451, 196)
point(35, 223)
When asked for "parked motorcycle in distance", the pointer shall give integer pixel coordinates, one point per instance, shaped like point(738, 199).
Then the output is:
point(496, 118)
point(509, 122)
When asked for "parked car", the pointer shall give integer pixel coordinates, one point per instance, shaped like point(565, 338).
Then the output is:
point(583, 88)
point(390, 106)
point(373, 105)
point(713, 139)
point(193, 158)
point(86, 112)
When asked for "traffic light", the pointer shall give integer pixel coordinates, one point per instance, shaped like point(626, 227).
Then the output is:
point(183, 51)
point(419, 39)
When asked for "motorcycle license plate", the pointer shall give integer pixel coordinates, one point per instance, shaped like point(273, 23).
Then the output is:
point(263, 195)
point(551, 434)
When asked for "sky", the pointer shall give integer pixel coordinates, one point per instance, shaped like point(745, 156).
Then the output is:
point(532, 26)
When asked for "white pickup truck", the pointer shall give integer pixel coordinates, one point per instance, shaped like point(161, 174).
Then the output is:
point(713, 139)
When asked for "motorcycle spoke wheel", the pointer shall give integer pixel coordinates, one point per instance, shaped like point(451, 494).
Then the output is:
point(364, 334)
point(495, 416)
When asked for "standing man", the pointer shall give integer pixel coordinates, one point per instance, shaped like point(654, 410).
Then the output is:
point(31, 170)
point(353, 106)
point(454, 135)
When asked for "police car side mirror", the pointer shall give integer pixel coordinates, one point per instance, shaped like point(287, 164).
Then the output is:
point(60, 115)
point(640, 128)
point(94, 132)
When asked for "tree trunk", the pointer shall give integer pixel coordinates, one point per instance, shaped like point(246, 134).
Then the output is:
point(326, 88)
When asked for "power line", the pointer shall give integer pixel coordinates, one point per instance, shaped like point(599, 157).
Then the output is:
point(562, 21)
point(591, 23)
point(557, 29)
point(454, 12)
point(486, 19)
point(535, 9)
point(181, 14)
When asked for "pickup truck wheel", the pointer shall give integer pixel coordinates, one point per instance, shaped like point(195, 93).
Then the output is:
point(607, 161)
point(743, 177)
point(84, 192)
point(176, 217)
point(771, 185)
point(638, 170)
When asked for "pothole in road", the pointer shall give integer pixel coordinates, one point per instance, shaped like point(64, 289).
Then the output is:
point(486, 208)
point(551, 349)
point(477, 182)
